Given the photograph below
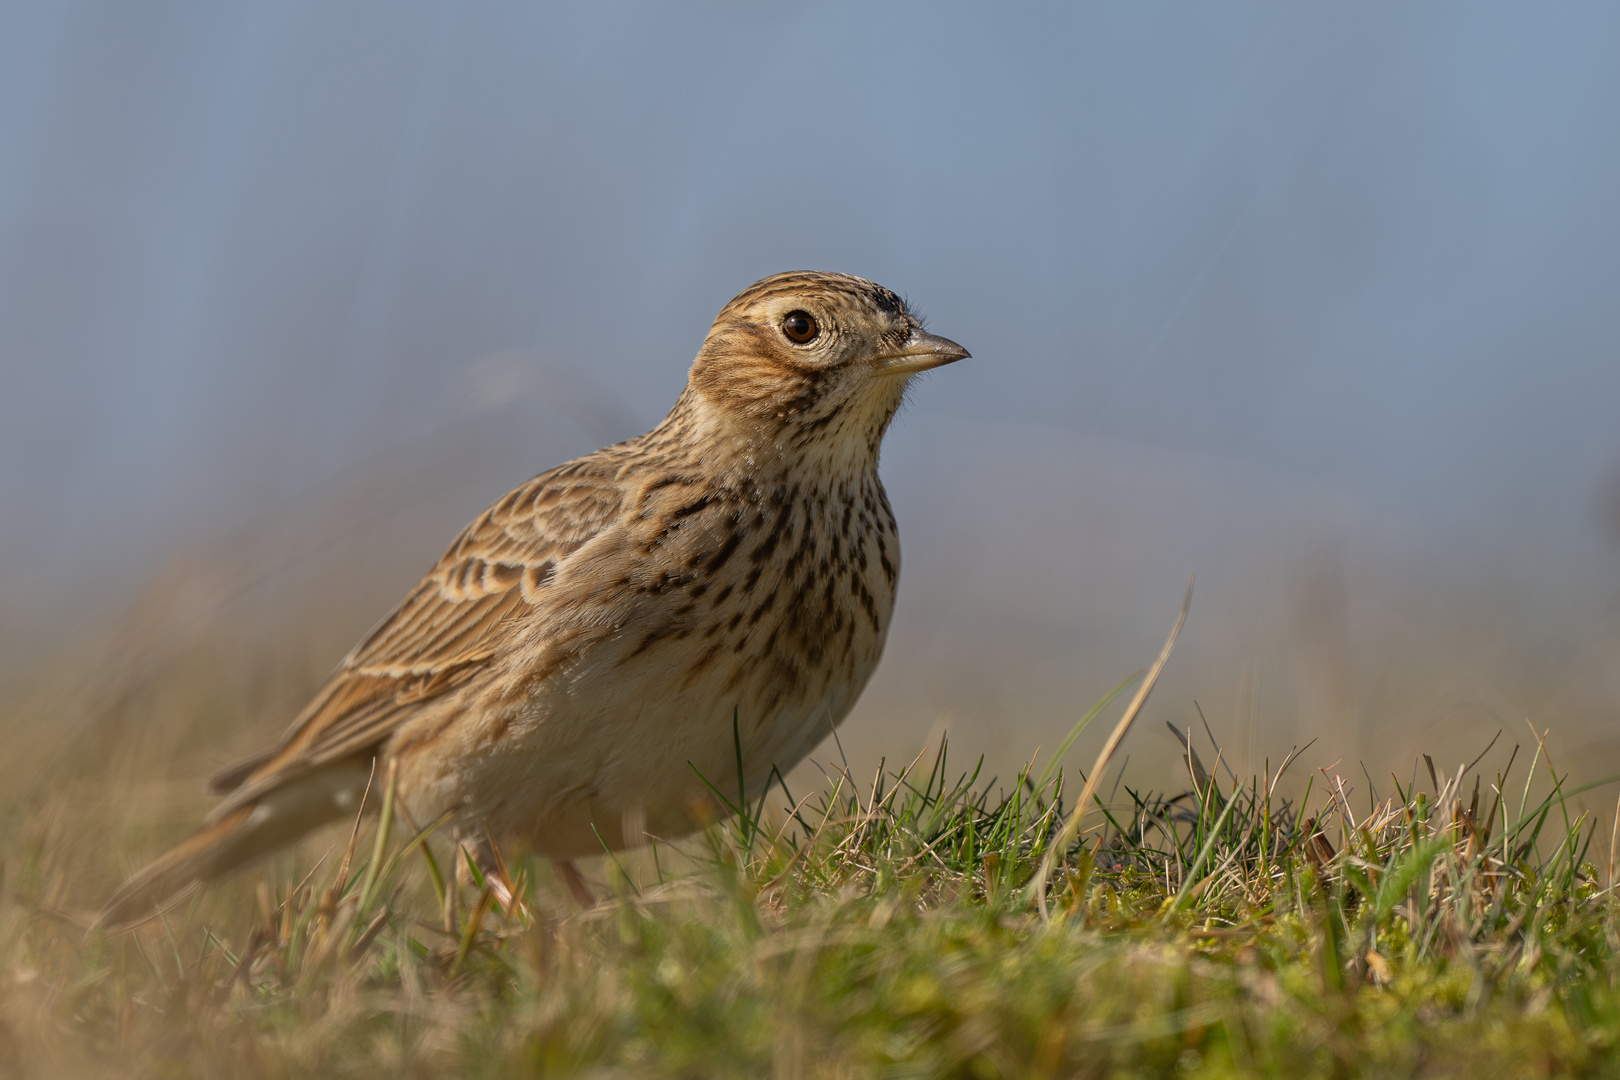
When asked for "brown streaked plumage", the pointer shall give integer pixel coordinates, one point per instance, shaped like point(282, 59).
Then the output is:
point(586, 642)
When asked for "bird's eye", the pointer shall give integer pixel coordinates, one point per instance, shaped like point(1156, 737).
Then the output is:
point(800, 327)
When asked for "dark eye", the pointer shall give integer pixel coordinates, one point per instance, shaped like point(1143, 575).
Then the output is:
point(800, 327)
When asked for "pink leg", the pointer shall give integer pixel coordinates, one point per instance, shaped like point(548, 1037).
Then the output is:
point(493, 867)
point(576, 884)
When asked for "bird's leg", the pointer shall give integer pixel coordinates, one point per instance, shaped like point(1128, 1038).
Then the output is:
point(453, 886)
point(493, 868)
point(576, 883)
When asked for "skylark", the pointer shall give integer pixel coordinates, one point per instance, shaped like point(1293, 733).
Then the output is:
point(583, 649)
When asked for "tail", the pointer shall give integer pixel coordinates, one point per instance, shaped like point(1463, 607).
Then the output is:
point(206, 854)
point(237, 837)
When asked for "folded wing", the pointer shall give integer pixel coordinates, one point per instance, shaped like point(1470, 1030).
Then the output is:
point(444, 634)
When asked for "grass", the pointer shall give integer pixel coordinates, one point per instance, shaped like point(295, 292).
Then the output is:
point(890, 925)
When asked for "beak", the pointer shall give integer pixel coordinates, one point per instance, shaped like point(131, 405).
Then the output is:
point(920, 352)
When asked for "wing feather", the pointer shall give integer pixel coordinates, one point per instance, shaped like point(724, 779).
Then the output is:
point(446, 632)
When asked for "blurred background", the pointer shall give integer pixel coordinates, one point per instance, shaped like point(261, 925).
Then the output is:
point(1317, 302)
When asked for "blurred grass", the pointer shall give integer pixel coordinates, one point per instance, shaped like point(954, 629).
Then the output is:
point(880, 926)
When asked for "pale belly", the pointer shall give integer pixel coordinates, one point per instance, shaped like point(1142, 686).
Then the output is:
point(623, 746)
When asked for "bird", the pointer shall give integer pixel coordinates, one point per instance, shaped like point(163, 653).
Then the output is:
point(620, 632)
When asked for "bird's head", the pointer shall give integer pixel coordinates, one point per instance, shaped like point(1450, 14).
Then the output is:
point(814, 357)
